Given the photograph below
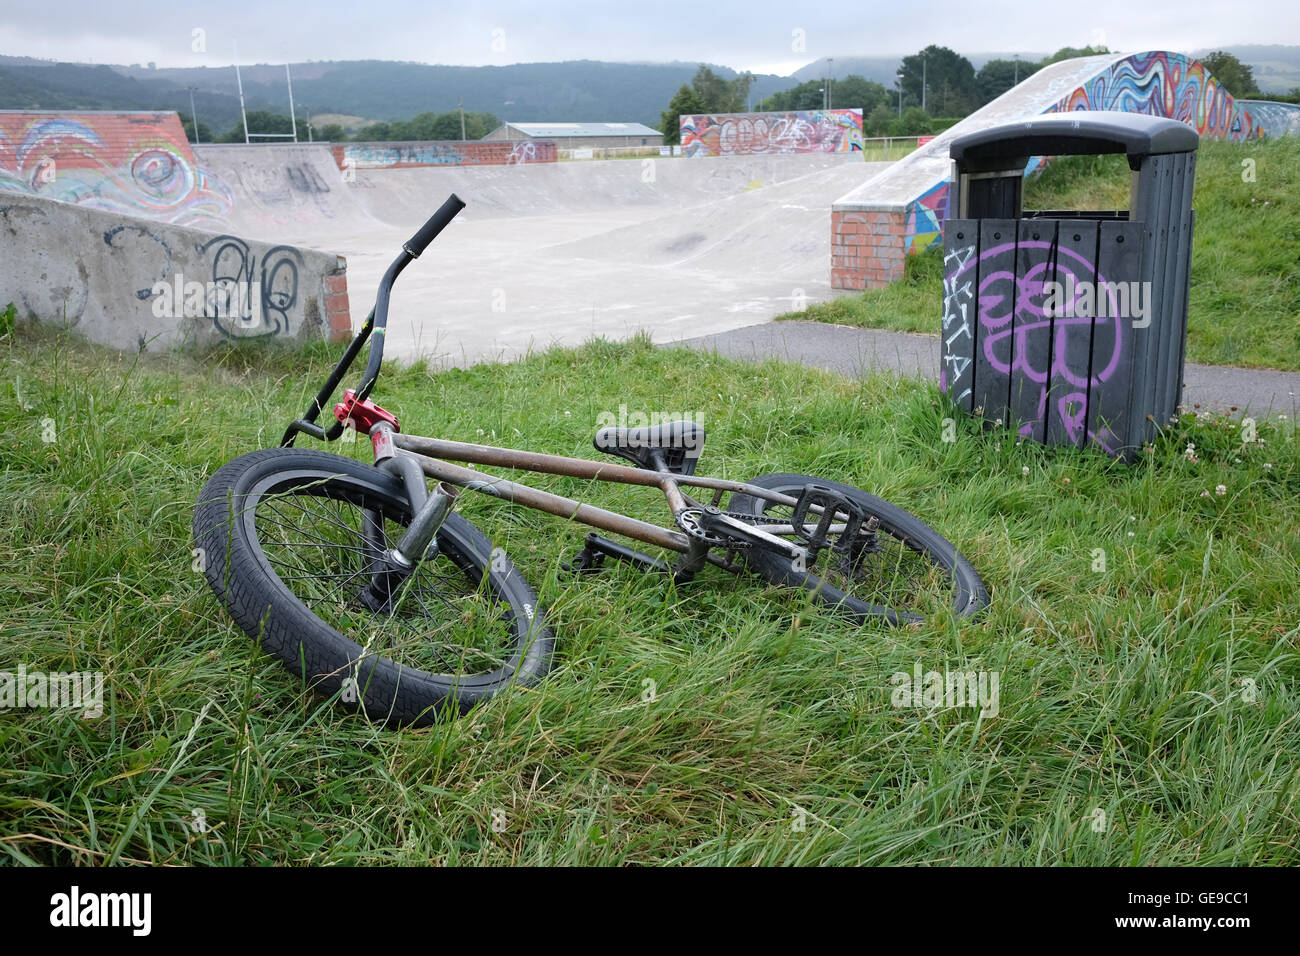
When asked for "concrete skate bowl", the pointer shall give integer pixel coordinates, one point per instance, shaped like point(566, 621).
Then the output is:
point(554, 252)
point(777, 231)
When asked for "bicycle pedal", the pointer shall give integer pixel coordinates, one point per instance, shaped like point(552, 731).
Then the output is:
point(832, 504)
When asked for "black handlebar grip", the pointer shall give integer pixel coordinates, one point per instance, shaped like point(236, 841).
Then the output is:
point(437, 222)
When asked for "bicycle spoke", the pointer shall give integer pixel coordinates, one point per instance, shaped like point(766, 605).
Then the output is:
point(441, 618)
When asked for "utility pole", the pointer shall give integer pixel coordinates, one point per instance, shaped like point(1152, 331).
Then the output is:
point(240, 83)
point(1016, 82)
point(900, 93)
point(460, 105)
point(293, 119)
point(194, 114)
point(830, 92)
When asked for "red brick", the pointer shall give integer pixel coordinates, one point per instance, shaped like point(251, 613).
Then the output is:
point(338, 283)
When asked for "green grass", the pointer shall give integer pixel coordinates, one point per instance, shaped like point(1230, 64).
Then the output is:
point(1120, 690)
point(1245, 290)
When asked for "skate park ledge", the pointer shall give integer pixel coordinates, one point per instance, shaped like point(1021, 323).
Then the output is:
point(140, 284)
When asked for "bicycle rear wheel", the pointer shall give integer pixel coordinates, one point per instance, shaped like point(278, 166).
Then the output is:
point(288, 538)
point(897, 569)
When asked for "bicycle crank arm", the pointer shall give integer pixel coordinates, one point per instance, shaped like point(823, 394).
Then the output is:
point(715, 522)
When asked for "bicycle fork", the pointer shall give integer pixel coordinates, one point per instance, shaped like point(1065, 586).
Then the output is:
point(389, 567)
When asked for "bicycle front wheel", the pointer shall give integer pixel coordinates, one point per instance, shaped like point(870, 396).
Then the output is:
point(289, 538)
point(897, 569)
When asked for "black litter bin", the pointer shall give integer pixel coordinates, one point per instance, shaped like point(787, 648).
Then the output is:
point(1069, 326)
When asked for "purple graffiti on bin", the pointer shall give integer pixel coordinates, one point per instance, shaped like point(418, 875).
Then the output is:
point(1003, 296)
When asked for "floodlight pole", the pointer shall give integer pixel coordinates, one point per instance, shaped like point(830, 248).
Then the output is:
point(194, 116)
point(292, 118)
point(240, 83)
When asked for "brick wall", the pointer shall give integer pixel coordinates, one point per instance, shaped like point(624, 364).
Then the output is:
point(449, 153)
point(338, 314)
point(866, 249)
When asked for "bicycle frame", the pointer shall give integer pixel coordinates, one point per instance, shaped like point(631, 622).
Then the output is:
point(429, 454)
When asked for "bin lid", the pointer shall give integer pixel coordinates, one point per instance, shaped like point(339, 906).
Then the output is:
point(1078, 133)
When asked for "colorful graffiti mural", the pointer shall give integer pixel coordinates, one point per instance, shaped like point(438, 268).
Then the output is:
point(131, 163)
point(457, 153)
point(1274, 118)
point(1157, 84)
point(1160, 83)
point(799, 131)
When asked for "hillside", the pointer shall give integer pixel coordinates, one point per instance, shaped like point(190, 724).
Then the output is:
point(583, 90)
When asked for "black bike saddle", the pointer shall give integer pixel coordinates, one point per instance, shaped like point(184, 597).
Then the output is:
point(680, 444)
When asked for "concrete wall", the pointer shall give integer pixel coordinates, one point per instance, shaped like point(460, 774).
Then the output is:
point(353, 156)
point(114, 279)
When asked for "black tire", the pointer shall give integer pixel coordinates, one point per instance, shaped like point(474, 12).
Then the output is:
point(912, 576)
point(466, 627)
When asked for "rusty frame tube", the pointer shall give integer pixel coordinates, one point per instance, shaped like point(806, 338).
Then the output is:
point(429, 452)
point(573, 467)
point(552, 504)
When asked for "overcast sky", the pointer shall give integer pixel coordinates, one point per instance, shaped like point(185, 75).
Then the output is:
point(757, 35)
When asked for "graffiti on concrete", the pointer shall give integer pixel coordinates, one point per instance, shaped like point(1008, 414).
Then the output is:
point(136, 164)
point(1160, 83)
point(143, 245)
point(352, 156)
point(798, 131)
point(275, 284)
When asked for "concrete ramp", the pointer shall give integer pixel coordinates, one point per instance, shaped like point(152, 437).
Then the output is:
point(776, 231)
point(283, 189)
point(555, 252)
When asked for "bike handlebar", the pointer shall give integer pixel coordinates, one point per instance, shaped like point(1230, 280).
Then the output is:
point(374, 326)
point(437, 222)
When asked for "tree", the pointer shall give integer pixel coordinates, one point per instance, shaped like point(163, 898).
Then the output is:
point(374, 133)
point(854, 92)
point(260, 121)
point(877, 124)
point(331, 133)
point(719, 95)
point(1235, 77)
point(947, 74)
point(805, 96)
point(685, 102)
point(205, 134)
point(997, 76)
point(914, 122)
point(1071, 52)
